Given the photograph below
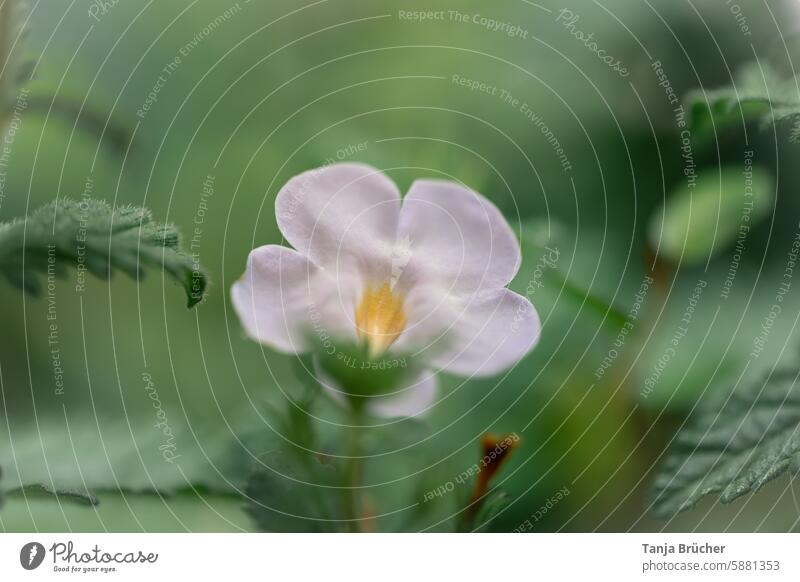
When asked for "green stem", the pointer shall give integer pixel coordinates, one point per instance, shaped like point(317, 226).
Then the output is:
point(353, 471)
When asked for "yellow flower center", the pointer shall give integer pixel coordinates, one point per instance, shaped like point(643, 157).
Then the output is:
point(379, 318)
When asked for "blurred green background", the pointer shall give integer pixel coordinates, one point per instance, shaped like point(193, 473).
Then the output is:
point(280, 87)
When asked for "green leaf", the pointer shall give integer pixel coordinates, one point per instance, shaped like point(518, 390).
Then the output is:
point(700, 223)
point(123, 511)
point(91, 236)
point(80, 454)
point(293, 492)
point(80, 496)
point(759, 94)
point(732, 449)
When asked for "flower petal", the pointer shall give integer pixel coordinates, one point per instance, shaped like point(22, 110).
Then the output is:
point(416, 399)
point(273, 296)
point(430, 314)
point(493, 332)
point(341, 209)
point(456, 237)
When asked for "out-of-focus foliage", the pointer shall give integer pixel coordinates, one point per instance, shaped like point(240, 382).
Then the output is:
point(295, 493)
point(759, 93)
point(698, 223)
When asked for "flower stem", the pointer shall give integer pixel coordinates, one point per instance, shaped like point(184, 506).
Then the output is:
point(353, 470)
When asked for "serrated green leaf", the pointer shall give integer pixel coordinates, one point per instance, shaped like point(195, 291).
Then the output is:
point(76, 455)
point(123, 511)
point(759, 94)
point(732, 449)
point(700, 223)
point(90, 235)
point(80, 496)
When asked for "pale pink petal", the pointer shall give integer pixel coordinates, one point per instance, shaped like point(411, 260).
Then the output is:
point(416, 399)
point(340, 212)
point(456, 238)
point(430, 313)
point(272, 298)
point(492, 333)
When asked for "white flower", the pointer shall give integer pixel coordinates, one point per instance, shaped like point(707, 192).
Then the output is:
point(423, 277)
